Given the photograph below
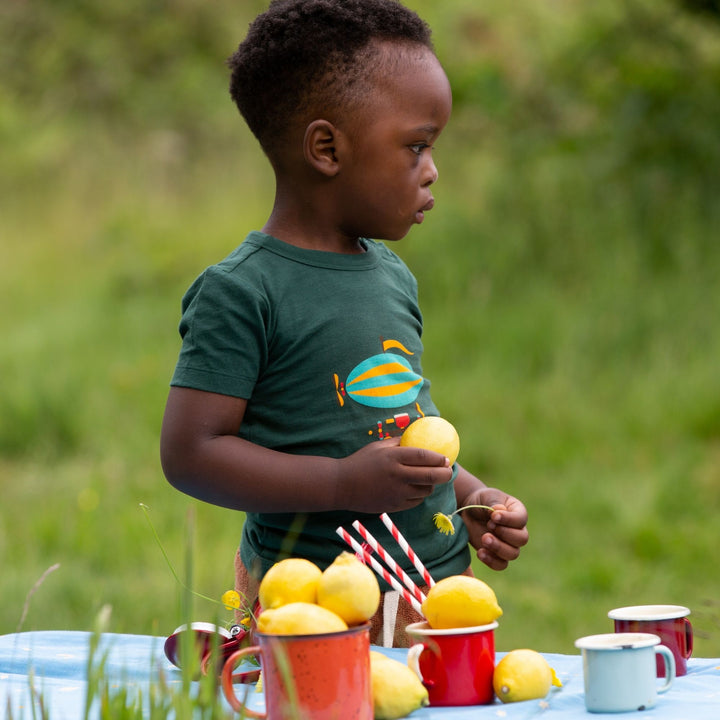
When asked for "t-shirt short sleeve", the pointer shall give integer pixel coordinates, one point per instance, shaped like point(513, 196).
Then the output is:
point(223, 333)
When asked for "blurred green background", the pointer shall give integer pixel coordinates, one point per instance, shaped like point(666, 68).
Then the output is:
point(568, 277)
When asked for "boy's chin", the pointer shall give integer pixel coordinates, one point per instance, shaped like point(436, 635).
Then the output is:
point(393, 237)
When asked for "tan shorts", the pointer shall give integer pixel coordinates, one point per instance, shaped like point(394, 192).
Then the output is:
point(387, 625)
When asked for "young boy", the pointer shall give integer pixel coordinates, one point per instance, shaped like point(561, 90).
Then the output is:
point(300, 363)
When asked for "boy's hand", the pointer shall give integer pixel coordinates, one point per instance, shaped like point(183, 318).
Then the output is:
point(384, 477)
point(497, 536)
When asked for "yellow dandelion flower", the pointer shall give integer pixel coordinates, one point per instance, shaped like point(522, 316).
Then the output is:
point(444, 522)
point(231, 600)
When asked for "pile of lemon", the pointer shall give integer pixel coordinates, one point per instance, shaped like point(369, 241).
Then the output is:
point(297, 598)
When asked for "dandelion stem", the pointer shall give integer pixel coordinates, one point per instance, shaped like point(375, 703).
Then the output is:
point(466, 507)
point(145, 509)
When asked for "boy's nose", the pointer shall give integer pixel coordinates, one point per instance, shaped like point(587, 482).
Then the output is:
point(431, 174)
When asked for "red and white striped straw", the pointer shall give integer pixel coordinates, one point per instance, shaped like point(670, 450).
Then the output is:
point(403, 543)
point(368, 537)
point(368, 558)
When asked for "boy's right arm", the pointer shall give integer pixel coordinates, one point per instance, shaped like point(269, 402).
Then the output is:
point(203, 456)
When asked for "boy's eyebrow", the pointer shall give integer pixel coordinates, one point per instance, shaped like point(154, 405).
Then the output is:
point(430, 129)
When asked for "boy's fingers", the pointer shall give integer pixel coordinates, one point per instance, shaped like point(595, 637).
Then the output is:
point(516, 535)
point(430, 478)
point(422, 458)
point(491, 560)
point(494, 549)
point(505, 517)
point(505, 542)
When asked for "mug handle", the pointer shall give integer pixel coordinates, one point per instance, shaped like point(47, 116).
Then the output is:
point(669, 660)
point(413, 661)
point(688, 638)
point(227, 681)
point(218, 659)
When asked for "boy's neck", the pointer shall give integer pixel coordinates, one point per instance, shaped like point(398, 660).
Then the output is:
point(300, 237)
point(299, 221)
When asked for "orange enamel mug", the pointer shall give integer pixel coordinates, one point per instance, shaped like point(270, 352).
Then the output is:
point(309, 677)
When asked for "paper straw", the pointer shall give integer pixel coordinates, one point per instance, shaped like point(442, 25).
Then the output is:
point(403, 543)
point(388, 560)
point(368, 558)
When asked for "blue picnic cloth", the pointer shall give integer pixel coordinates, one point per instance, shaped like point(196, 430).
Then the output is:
point(54, 664)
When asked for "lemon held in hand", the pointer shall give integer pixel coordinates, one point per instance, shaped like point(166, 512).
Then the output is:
point(396, 689)
point(460, 601)
point(300, 618)
point(350, 589)
point(523, 675)
point(287, 581)
point(432, 433)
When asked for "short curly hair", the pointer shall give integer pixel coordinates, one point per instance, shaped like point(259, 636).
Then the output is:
point(314, 55)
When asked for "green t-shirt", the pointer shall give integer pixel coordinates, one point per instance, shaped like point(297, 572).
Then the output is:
point(326, 349)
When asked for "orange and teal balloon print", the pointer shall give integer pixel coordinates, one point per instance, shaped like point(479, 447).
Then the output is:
point(383, 381)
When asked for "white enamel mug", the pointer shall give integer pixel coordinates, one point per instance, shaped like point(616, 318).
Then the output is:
point(619, 671)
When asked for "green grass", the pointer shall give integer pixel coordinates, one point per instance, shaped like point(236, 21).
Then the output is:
point(569, 290)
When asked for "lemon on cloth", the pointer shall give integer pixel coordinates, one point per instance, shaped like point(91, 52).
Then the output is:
point(287, 581)
point(299, 618)
point(432, 433)
point(460, 601)
point(523, 675)
point(396, 689)
point(350, 589)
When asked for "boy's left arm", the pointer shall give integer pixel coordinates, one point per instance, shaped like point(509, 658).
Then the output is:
point(497, 536)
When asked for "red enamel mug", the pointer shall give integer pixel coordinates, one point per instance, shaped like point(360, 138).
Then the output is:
point(456, 665)
point(210, 644)
point(668, 622)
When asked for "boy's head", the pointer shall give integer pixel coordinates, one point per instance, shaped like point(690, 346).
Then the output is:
point(307, 58)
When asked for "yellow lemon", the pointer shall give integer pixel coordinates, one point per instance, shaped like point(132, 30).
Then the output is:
point(432, 433)
point(396, 689)
point(299, 618)
point(460, 601)
point(350, 589)
point(290, 580)
point(523, 675)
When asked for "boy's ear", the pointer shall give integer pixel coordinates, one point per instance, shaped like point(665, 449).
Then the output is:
point(320, 147)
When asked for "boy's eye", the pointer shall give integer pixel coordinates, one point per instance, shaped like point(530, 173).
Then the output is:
point(419, 147)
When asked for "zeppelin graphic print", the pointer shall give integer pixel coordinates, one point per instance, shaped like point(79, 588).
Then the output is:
point(385, 381)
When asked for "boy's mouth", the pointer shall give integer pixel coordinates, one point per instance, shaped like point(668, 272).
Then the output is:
point(420, 214)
